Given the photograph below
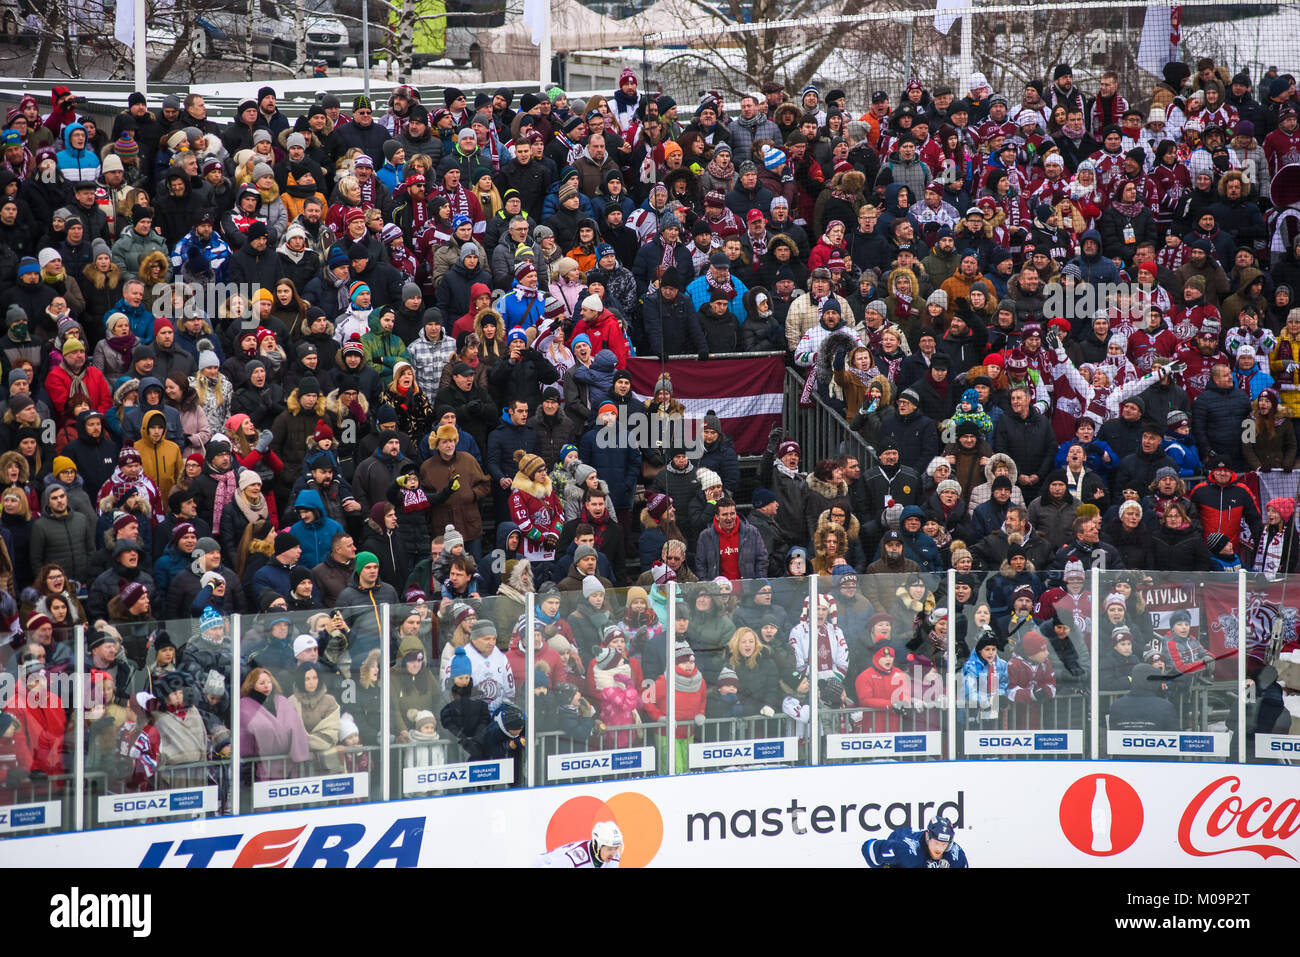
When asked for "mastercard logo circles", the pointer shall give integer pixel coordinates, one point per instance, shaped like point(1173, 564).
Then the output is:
point(635, 814)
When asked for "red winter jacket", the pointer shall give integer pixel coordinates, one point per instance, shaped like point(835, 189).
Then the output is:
point(58, 384)
point(877, 690)
point(43, 728)
point(604, 330)
point(1222, 508)
point(1025, 676)
point(518, 659)
point(689, 703)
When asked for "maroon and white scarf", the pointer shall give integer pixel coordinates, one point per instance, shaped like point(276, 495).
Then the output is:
point(902, 304)
point(457, 200)
point(367, 191)
point(414, 500)
point(728, 287)
point(669, 260)
point(227, 489)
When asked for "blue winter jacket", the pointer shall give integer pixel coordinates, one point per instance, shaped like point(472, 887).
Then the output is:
point(502, 443)
point(314, 536)
point(620, 467)
point(974, 676)
point(77, 166)
point(1096, 268)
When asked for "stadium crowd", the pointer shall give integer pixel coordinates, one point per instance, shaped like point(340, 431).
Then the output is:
point(299, 367)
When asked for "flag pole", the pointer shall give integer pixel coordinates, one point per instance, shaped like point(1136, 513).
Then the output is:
point(141, 59)
point(544, 47)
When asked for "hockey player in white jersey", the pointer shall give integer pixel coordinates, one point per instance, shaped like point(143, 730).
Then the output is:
point(933, 847)
point(603, 850)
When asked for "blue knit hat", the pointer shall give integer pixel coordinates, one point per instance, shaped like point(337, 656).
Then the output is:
point(565, 450)
point(460, 664)
point(210, 618)
point(337, 257)
point(580, 337)
point(763, 497)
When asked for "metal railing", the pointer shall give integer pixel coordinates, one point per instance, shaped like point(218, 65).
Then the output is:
point(823, 433)
point(1071, 725)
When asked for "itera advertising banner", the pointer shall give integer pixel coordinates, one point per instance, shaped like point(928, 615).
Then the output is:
point(1121, 814)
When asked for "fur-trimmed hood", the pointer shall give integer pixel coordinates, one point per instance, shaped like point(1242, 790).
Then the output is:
point(842, 338)
point(912, 277)
point(828, 489)
point(151, 261)
point(333, 405)
point(539, 490)
point(824, 520)
point(991, 464)
point(295, 407)
point(101, 279)
point(14, 457)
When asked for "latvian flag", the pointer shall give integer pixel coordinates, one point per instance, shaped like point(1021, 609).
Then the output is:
point(746, 393)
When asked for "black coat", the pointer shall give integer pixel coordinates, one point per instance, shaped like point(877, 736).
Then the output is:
point(249, 266)
point(1217, 415)
point(523, 379)
point(1030, 442)
point(1137, 470)
point(672, 328)
point(917, 438)
point(1181, 551)
point(721, 333)
point(1143, 709)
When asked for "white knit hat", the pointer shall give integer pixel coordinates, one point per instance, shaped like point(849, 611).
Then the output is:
point(708, 478)
point(593, 302)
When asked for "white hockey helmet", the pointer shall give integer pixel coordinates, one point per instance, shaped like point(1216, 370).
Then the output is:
point(606, 834)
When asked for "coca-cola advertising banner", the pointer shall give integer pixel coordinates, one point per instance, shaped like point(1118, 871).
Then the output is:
point(1155, 814)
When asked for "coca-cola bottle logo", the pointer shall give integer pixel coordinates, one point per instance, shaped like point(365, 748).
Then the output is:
point(1101, 815)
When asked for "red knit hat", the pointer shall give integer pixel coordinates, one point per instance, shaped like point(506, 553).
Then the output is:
point(323, 431)
point(995, 359)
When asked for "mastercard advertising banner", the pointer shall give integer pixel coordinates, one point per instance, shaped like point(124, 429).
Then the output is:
point(1005, 814)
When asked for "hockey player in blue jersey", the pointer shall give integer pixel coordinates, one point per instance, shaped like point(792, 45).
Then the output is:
point(933, 847)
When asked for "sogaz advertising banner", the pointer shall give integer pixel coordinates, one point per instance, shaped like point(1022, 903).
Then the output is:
point(1083, 813)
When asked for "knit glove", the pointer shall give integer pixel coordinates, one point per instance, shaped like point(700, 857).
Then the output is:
point(263, 440)
point(699, 720)
point(766, 711)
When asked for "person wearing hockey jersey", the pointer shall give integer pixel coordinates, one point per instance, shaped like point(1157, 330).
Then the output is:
point(536, 509)
point(832, 652)
point(1097, 395)
point(494, 682)
point(1031, 680)
point(932, 848)
point(603, 850)
point(466, 716)
point(1184, 651)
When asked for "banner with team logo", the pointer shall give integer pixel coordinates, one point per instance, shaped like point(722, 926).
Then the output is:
point(1267, 609)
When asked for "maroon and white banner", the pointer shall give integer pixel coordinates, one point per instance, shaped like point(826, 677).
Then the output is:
point(745, 393)
point(1268, 607)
